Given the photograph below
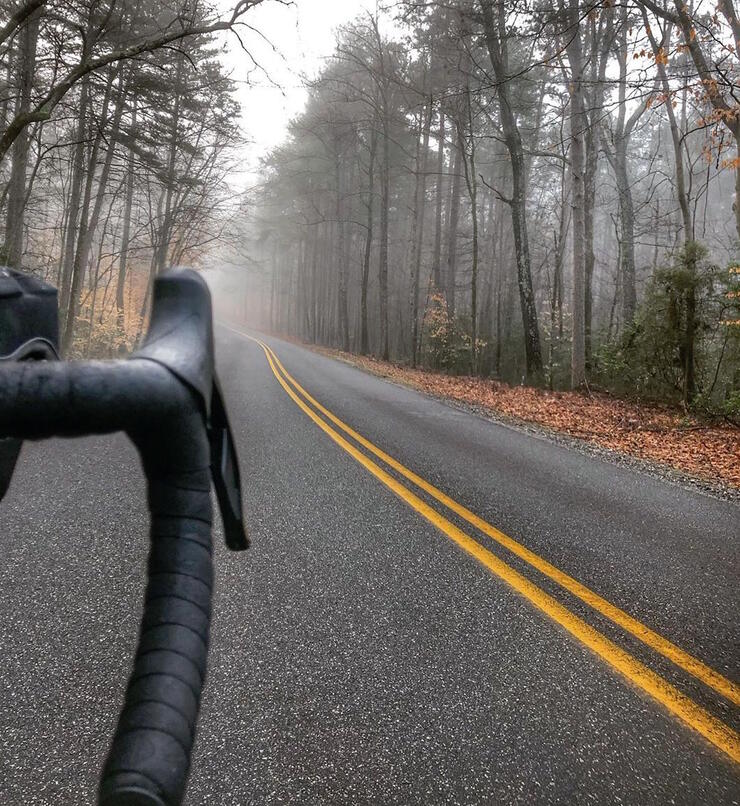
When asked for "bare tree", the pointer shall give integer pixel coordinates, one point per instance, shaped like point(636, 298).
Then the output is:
point(497, 51)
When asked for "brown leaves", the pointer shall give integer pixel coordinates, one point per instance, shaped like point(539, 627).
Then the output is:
point(661, 56)
point(651, 432)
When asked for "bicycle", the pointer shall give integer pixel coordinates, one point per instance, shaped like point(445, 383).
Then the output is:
point(167, 399)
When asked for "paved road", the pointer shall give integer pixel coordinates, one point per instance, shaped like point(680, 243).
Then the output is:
point(359, 654)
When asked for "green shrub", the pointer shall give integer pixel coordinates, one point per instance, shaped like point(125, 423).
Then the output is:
point(690, 309)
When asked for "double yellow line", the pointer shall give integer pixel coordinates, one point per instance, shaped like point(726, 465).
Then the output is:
point(716, 731)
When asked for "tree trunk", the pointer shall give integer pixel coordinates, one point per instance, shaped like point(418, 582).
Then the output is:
point(437, 254)
point(418, 229)
point(627, 218)
point(689, 389)
point(589, 257)
point(88, 226)
point(75, 196)
point(126, 232)
point(683, 200)
point(489, 257)
point(342, 312)
point(453, 224)
point(617, 158)
point(513, 140)
point(383, 258)
point(471, 182)
point(165, 231)
point(736, 203)
point(314, 287)
point(16, 191)
point(364, 336)
point(578, 126)
point(618, 162)
point(600, 39)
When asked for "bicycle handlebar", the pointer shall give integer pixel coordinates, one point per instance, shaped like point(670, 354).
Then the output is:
point(168, 403)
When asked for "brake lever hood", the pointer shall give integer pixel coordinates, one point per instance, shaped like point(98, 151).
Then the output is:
point(180, 338)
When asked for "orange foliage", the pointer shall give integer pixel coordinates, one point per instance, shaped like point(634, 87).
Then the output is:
point(661, 57)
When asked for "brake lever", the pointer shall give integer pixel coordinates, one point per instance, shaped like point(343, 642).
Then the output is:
point(225, 472)
point(180, 338)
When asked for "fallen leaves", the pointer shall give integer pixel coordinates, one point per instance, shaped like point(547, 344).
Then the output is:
point(650, 432)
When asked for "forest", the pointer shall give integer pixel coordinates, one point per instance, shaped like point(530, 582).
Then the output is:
point(533, 193)
point(542, 193)
point(118, 127)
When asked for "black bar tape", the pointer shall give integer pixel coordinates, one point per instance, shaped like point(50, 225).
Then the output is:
point(150, 756)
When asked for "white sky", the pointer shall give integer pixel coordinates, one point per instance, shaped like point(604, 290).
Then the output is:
point(303, 37)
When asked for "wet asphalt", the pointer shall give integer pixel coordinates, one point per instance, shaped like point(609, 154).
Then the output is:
point(359, 656)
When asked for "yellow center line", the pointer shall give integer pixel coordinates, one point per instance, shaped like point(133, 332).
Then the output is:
point(654, 640)
point(720, 735)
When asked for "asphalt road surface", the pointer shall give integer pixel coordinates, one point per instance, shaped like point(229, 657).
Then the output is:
point(558, 629)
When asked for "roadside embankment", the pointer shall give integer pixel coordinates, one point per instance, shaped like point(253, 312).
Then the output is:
point(649, 432)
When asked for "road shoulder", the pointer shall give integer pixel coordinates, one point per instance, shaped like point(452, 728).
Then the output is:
point(451, 391)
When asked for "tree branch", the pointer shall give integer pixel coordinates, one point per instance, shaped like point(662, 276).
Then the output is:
point(43, 109)
point(22, 13)
point(681, 18)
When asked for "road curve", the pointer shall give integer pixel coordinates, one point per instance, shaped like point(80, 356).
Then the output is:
point(360, 654)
